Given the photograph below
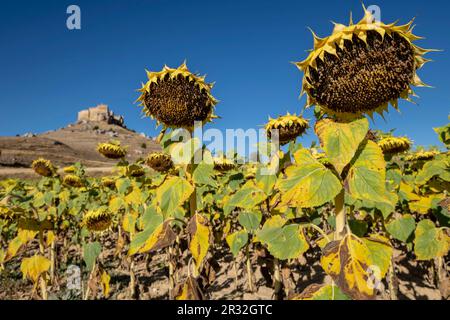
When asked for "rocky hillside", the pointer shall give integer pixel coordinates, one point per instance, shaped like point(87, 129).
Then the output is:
point(74, 143)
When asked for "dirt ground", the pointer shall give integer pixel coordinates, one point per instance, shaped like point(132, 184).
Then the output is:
point(229, 280)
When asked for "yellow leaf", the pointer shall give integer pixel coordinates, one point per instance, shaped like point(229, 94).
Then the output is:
point(33, 267)
point(340, 140)
point(134, 197)
point(50, 237)
point(23, 236)
point(199, 245)
point(424, 204)
point(355, 265)
point(105, 283)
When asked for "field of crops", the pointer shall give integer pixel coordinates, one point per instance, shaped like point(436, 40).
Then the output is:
point(337, 220)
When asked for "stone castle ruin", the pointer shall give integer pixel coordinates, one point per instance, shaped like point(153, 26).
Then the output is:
point(100, 113)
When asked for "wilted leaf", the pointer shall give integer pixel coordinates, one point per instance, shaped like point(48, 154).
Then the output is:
point(200, 234)
point(34, 266)
point(105, 278)
point(355, 265)
point(321, 292)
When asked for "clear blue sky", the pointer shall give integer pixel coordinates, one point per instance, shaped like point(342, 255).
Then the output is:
point(48, 72)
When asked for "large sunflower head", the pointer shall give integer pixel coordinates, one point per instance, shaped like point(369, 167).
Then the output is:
point(289, 127)
point(394, 145)
point(111, 150)
point(159, 161)
point(361, 68)
point(177, 97)
point(72, 180)
point(97, 220)
point(43, 167)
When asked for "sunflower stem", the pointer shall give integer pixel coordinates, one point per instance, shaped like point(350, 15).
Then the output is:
point(341, 217)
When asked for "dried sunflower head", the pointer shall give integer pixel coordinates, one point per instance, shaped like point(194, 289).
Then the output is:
point(223, 164)
point(422, 156)
point(97, 220)
point(177, 97)
point(135, 171)
point(394, 145)
point(159, 161)
point(111, 150)
point(108, 182)
point(361, 68)
point(69, 169)
point(289, 127)
point(43, 167)
point(72, 181)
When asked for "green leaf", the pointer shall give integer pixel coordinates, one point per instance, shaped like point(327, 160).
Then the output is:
point(283, 242)
point(438, 167)
point(153, 220)
point(321, 292)
point(247, 197)
point(236, 241)
point(203, 174)
point(402, 228)
point(308, 183)
point(173, 193)
point(366, 177)
point(340, 140)
point(91, 251)
point(250, 220)
point(430, 242)
point(265, 182)
point(358, 227)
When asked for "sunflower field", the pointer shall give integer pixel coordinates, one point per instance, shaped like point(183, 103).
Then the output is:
point(352, 206)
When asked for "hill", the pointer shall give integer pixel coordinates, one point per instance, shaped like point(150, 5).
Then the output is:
point(74, 143)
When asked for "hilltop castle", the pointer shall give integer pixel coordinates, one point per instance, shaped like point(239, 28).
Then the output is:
point(100, 113)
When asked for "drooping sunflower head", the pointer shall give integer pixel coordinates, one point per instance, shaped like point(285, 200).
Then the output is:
point(289, 127)
point(394, 145)
point(43, 167)
point(97, 220)
point(108, 182)
point(72, 180)
point(422, 156)
point(159, 161)
point(177, 97)
point(69, 169)
point(361, 68)
point(223, 164)
point(111, 150)
point(135, 171)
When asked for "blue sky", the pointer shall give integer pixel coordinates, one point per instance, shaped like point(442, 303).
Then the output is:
point(48, 72)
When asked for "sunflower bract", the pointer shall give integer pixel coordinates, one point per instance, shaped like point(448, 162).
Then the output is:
point(422, 156)
point(223, 164)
